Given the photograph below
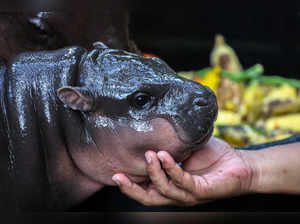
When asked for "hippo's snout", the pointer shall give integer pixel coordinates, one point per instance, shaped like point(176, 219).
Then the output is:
point(205, 100)
point(197, 114)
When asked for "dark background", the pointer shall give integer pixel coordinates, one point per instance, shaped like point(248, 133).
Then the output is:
point(182, 32)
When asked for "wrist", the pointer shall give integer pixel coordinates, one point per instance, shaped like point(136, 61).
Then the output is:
point(252, 162)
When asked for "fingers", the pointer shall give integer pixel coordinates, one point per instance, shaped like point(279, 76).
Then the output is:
point(177, 174)
point(148, 197)
point(156, 174)
point(184, 180)
point(169, 187)
point(179, 189)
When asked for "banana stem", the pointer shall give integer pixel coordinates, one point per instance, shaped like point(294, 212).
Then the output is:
point(278, 80)
point(251, 73)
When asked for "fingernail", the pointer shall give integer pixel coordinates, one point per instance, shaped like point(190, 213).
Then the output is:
point(148, 157)
point(115, 178)
point(160, 155)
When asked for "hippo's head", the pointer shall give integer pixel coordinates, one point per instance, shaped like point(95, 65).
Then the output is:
point(131, 104)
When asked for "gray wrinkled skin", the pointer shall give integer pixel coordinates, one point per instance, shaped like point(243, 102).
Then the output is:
point(70, 121)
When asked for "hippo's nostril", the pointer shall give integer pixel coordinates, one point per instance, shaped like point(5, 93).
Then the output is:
point(200, 101)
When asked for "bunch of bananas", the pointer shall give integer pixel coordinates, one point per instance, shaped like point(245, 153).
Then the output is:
point(253, 108)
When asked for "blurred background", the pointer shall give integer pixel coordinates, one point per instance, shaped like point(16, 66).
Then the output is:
point(182, 32)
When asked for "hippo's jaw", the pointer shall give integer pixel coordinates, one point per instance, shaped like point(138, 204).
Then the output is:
point(119, 148)
point(160, 135)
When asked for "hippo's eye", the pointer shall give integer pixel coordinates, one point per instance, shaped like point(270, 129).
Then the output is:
point(140, 99)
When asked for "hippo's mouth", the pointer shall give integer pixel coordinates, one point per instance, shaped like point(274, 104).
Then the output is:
point(171, 136)
point(192, 138)
point(194, 132)
point(204, 138)
point(188, 148)
point(182, 146)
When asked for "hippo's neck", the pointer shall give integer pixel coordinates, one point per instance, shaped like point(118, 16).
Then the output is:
point(40, 133)
point(61, 133)
point(79, 185)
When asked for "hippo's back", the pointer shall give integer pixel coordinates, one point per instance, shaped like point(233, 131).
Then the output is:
point(6, 172)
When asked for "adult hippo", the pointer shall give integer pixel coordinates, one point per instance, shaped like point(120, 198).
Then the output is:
point(72, 118)
point(65, 23)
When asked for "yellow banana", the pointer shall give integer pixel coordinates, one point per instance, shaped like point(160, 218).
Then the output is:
point(224, 56)
point(288, 122)
point(227, 118)
point(281, 100)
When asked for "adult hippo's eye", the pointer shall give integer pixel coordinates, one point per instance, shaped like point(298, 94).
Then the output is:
point(141, 99)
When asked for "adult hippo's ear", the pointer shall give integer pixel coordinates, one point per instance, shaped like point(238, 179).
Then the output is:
point(76, 98)
point(100, 45)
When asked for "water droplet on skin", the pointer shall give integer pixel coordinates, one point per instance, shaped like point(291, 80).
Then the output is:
point(104, 122)
point(141, 126)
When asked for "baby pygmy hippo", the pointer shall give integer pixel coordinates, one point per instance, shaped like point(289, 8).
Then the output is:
point(71, 119)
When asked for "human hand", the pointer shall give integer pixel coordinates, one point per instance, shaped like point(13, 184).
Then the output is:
point(215, 171)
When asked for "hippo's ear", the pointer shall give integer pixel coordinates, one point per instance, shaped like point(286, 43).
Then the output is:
point(76, 98)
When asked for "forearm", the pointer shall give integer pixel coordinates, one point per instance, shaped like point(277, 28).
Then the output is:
point(275, 169)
